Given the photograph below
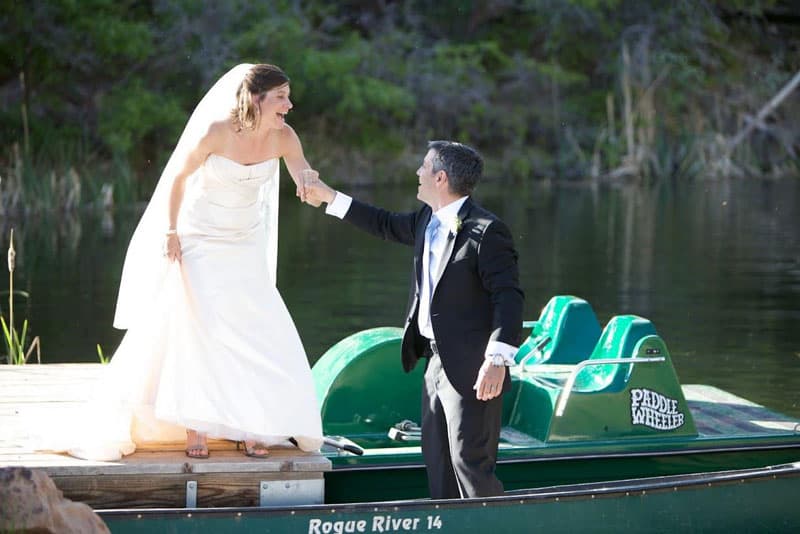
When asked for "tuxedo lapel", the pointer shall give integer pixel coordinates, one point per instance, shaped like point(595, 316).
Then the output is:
point(448, 251)
point(451, 241)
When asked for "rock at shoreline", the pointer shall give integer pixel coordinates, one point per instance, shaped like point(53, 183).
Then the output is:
point(30, 502)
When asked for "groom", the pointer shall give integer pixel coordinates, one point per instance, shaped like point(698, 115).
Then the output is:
point(465, 314)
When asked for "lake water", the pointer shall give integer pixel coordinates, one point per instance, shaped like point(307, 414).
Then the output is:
point(714, 264)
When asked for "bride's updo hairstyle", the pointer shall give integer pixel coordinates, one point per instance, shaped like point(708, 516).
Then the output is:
point(260, 79)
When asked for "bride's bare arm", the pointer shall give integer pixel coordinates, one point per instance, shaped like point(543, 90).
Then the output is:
point(194, 159)
point(292, 153)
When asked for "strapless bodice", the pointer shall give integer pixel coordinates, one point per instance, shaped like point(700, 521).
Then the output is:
point(232, 183)
point(226, 196)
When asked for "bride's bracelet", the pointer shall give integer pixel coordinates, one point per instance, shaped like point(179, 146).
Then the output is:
point(172, 232)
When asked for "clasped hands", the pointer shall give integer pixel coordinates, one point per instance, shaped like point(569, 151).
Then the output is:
point(314, 191)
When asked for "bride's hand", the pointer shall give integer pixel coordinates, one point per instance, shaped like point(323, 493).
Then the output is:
point(172, 248)
point(309, 177)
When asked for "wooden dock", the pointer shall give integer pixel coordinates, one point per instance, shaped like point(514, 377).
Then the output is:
point(33, 396)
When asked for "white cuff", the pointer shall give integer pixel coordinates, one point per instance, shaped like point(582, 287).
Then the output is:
point(339, 206)
point(507, 351)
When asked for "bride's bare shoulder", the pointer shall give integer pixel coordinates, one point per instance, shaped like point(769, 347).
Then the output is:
point(221, 129)
point(288, 138)
point(218, 135)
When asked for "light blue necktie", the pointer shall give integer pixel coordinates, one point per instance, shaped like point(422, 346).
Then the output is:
point(428, 273)
point(431, 234)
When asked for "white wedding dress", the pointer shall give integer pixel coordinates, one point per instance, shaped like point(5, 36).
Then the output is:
point(217, 350)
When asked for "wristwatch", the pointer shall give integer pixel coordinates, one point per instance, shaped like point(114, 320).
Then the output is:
point(497, 360)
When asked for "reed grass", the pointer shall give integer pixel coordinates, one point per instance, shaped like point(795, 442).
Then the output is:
point(16, 353)
point(64, 180)
point(102, 357)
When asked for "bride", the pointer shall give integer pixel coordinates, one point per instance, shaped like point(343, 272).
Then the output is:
point(210, 348)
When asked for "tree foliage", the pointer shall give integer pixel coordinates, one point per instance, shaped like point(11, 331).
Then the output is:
point(543, 87)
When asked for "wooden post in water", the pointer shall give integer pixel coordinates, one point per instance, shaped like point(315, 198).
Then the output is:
point(764, 113)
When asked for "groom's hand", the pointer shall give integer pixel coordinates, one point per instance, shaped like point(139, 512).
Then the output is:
point(490, 381)
point(318, 191)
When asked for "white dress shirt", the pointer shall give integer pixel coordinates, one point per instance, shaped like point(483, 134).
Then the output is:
point(431, 259)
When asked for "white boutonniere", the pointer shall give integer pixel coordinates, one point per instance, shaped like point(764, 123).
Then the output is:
point(455, 226)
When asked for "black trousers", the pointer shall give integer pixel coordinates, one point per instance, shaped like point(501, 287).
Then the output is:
point(459, 438)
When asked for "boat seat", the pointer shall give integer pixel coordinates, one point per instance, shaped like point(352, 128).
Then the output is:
point(362, 388)
point(598, 402)
point(618, 340)
point(566, 332)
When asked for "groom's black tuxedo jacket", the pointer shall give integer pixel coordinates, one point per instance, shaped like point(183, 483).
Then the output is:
point(477, 298)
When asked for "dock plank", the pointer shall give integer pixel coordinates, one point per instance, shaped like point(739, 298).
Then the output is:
point(155, 475)
point(720, 413)
point(169, 491)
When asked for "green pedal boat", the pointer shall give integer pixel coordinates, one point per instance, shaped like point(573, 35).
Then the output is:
point(586, 405)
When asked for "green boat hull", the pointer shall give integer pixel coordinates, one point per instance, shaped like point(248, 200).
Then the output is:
point(760, 500)
point(408, 481)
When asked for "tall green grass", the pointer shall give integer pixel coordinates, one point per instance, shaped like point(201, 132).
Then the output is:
point(16, 342)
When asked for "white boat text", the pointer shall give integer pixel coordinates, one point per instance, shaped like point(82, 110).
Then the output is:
point(650, 408)
point(379, 523)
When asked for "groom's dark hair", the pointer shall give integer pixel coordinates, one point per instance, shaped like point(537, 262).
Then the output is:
point(463, 165)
